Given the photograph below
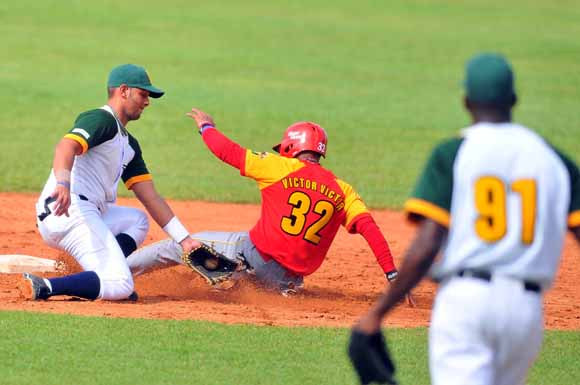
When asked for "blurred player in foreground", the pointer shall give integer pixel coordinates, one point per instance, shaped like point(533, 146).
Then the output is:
point(497, 202)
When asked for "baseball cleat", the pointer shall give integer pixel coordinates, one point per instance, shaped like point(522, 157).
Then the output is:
point(134, 297)
point(288, 292)
point(290, 289)
point(35, 288)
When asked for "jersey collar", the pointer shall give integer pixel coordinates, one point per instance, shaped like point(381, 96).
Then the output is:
point(110, 110)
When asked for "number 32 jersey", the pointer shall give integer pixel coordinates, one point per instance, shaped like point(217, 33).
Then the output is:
point(507, 197)
point(303, 206)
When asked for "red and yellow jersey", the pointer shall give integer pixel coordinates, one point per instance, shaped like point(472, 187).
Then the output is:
point(303, 205)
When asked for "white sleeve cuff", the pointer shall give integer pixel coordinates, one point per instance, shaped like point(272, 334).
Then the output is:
point(176, 230)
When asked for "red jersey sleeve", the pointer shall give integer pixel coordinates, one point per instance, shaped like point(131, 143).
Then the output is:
point(224, 148)
point(367, 227)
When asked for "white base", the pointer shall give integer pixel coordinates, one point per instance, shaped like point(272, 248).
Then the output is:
point(17, 263)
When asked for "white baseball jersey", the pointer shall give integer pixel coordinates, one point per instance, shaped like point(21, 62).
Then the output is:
point(109, 153)
point(114, 154)
point(508, 197)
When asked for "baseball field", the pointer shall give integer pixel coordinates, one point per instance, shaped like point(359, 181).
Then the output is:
point(383, 78)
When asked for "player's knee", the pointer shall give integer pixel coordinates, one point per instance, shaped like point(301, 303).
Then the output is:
point(116, 288)
point(140, 227)
point(143, 220)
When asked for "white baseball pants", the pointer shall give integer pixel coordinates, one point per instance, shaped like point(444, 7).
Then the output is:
point(89, 236)
point(484, 333)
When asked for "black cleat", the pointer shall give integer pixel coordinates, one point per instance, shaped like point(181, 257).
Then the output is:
point(38, 288)
point(133, 297)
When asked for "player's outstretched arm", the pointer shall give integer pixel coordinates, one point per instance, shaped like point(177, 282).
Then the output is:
point(576, 232)
point(367, 227)
point(62, 164)
point(367, 349)
point(162, 214)
point(221, 146)
point(418, 259)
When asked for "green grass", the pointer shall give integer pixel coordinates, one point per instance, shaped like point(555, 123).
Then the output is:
point(382, 77)
point(59, 349)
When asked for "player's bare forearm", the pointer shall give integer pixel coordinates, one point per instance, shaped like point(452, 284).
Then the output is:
point(64, 154)
point(162, 214)
point(62, 164)
point(156, 206)
point(417, 261)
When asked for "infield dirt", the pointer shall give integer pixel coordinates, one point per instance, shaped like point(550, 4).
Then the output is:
point(348, 282)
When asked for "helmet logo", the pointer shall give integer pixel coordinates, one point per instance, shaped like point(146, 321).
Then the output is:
point(297, 135)
point(321, 147)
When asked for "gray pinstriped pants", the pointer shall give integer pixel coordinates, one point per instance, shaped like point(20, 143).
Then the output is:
point(233, 245)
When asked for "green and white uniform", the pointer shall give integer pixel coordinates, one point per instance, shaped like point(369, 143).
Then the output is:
point(109, 154)
point(114, 154)
point(507, 197)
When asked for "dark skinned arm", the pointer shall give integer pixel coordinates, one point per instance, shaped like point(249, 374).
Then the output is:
point(417, 261)
point(64, 156)
point(576, 232)
point(159, 209)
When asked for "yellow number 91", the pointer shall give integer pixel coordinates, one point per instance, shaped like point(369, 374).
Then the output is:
point(491, 202)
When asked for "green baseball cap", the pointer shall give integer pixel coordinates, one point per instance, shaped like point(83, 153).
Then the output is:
point(133, 76)
point(489, 79)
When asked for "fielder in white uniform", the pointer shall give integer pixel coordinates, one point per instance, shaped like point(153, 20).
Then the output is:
point(76, 209)
point(497, 202)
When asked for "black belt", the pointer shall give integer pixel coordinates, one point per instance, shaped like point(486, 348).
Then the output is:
point(486, 276)
point(48, 201)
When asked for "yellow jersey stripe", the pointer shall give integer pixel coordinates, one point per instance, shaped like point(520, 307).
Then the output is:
point(267, 169)
point(428, 210)
point(136, 179)
point(574, 219)
point(353, 203)
point(80, 140)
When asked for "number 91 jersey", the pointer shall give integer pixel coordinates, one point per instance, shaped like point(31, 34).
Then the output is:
point(303, 205)
point(507, 197)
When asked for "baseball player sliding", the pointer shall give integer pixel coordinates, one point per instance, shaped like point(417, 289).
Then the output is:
point(497, 202)
point(303, 206)
point(76, 209)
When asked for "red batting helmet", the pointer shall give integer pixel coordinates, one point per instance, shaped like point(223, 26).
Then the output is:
point(302, 136)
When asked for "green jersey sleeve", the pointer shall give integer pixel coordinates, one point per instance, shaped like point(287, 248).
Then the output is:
point(574, 208)
point(431, 197)
point(92, 128)
point(136, 171)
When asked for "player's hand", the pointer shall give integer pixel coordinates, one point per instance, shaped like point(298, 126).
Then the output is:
point(410, 300)
point(189, 244)
point(61, 194)
point(368, 352)
point(200, 117)
point(391, 277)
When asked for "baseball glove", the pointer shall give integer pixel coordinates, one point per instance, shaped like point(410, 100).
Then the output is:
point(211, 265)
point(371, 359)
